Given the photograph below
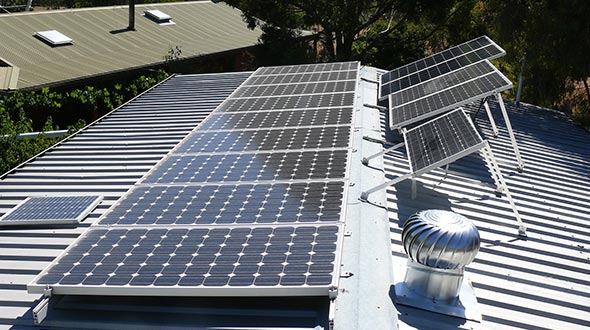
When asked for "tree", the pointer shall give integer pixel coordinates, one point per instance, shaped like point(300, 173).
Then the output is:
point(553, 36)
point(338, 23)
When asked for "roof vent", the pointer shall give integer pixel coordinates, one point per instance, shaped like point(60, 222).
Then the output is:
point(439, 245)
point(158, 17)
point(54, 38)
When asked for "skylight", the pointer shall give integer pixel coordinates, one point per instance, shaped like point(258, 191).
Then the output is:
point(54, 38)
point(159, 17)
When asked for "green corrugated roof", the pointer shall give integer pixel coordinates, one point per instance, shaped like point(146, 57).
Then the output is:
point(201, 28)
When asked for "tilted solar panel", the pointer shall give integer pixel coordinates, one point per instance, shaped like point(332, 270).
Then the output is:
point(473, 51)
point(438, 84)
point(441, 141)
point(447, 99)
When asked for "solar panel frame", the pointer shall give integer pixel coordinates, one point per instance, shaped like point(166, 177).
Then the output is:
point(192, 291)
point(88, 207)
point(480, 143)
point(437, 59)
point(418, 104)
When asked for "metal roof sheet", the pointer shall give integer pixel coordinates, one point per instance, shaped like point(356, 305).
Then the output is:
point(542, 282)
point(201, 28)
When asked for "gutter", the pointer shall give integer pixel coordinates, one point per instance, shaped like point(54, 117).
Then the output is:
point(32, 135)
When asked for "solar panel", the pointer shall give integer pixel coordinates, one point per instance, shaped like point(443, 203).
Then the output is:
point(300, 165)
point(273, 119)
point(287, 102)
point(302, 78)
point(440, 83)
point(303, 202)
point(253, 198)
point(50, 210)
point(432, 72)
point(469, 52)
point(282, 70)
point(267, 139)
point(448, 99)
point(441, 141)
point(296, 89)
point(187, 261)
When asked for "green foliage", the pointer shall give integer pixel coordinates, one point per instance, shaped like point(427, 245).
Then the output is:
point(553, 37)
point(46, 110)
point(274, 42)
point(338, 24)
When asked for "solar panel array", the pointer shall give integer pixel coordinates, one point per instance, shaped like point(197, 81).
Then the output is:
point(441, 141)
point(451, 59)
point(50, 210)
point(250, 203)
point(455, 93)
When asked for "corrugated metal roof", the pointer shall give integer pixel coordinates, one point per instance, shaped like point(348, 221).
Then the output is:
point(542, 282)
point(539, 283)
point(107, 158)
point(201, 28)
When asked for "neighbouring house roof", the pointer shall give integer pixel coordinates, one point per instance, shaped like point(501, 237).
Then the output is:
point(201, 28)
point(539, 283)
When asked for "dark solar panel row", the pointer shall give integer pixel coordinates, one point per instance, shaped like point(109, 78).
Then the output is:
point(267, 139)
point(288, 102)
point(438, 84)
point(446, 55)
point(325, 67)
point(286, 118)
point(231, 204)
point(302, 78)
point(443, 68)
point(296, 89)
point(199, 257)
point(300, 165)
point(448, 99)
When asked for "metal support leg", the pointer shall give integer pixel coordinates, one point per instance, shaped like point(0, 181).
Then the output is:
point(491, 118)
point(414, 189)
point(511, 133)
point(365, 194)
point(366, 160)
point(485, 154)
point(495, 169)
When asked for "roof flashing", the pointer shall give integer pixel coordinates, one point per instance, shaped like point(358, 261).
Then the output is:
point(53, 38)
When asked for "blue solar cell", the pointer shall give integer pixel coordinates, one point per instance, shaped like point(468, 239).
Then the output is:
point(51, 210)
